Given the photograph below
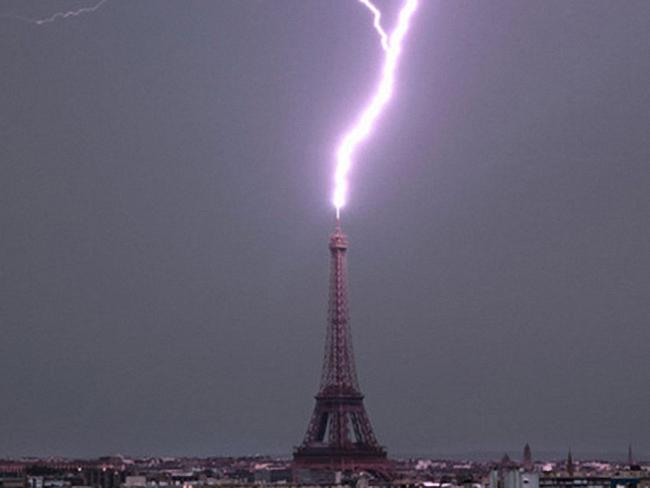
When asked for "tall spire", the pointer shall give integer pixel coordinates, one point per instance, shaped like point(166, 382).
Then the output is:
point(527, 461)
point(339, 435)
point(569, 463)
point(630, 458)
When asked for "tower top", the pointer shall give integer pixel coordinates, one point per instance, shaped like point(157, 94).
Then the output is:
point(338, 239)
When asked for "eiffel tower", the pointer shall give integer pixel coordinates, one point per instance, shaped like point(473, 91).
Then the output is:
point(339, 436)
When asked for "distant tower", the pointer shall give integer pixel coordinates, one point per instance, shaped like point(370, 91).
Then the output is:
point(339, 436)
point(630, 458)
point(569, 464)
point(528, 458)
point(631, 463)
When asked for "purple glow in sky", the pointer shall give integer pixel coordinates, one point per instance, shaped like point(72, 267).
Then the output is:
point(363, 126)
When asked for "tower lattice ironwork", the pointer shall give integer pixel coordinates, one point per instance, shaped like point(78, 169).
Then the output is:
point(339, 436)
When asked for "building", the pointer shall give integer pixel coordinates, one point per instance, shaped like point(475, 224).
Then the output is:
point(339, 436)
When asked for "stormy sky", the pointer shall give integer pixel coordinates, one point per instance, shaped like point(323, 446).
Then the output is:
point(165, 184)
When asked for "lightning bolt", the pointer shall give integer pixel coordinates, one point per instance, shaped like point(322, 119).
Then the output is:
point(382, 94)
point(57, 15)
point(377, 23)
